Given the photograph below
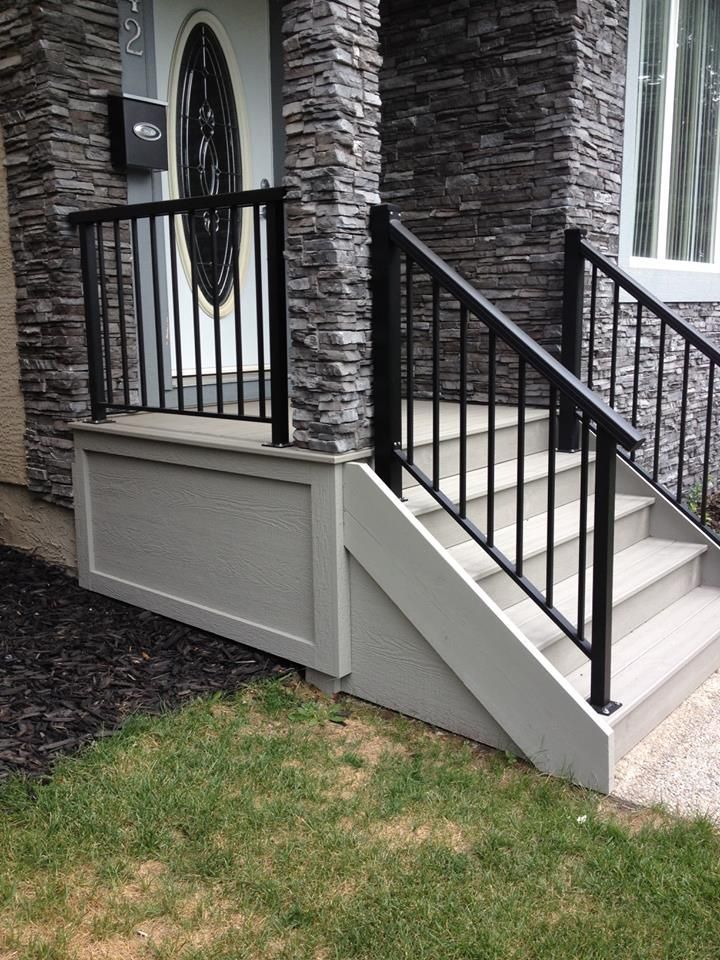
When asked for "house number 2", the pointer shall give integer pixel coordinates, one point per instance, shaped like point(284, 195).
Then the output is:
point(133, 27)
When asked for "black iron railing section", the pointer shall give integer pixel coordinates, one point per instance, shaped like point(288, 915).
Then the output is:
point(427, 319)
point(650, 364)
point(185, 307)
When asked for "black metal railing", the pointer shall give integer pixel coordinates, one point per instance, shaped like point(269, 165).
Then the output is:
point(423, 312)
point(174, 293)
point(650, 364)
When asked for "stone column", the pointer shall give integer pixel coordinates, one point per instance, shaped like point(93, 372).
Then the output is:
point(58, 61)
point(332, 116)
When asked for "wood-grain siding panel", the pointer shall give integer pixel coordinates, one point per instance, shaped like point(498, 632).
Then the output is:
point(395, 666)
point(236, 544)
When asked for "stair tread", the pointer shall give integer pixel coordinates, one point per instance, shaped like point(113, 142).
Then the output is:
point(635, 568)
point(479, 564)
point(477, 420)
point(661, 646)
point(536, 467)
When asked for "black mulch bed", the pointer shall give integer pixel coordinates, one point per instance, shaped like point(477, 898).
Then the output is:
point(74, 665)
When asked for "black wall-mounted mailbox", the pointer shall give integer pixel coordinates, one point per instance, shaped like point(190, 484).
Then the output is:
point(138, 133)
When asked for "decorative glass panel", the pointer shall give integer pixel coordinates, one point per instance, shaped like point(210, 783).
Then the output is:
point(208, 157)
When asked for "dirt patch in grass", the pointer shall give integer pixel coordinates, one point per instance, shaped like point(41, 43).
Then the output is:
point(405, 831)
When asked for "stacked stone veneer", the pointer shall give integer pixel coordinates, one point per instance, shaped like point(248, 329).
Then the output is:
point(332, 114)
point(503, 125)
point(58, 61)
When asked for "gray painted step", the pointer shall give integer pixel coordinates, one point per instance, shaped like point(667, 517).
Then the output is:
point(658, 665)
point(649, 576)
point(444, 527)
point(632, 522)
point(536, 436)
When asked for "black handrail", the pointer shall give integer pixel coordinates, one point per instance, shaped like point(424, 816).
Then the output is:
point(515, 337)
point(162, 208)
point(394, 373)
point(125, 306)
point(636, 290)
point(578, 253)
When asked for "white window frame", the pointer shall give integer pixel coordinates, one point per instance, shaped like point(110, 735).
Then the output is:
point(671, 280)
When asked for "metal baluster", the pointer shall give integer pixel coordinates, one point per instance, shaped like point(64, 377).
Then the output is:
point(92, 322)
point(593, 315)
point(552, 446)
point(235, 234)
point(683, 422)
point(105, 312)
point(492, 379)
point(139, 313)
point(410, 351)
point(520, 507)
point(214, 216)
point(658, 404)
point(603, 563)
point(259, 310)
point(708, 440)
point(196, 314)
point(636, 376)
point(573, 308)
point(436, 384)
point(176, 312)
point(613, 358)
point(277, 316)
point(582, 540)
point(159, 346)
point(385, 287)
point(463, 410)
point(121, 315)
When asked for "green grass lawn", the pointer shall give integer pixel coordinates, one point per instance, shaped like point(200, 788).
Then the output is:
point(277, 824)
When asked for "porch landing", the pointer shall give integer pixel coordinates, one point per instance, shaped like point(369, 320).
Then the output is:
point(310, 557)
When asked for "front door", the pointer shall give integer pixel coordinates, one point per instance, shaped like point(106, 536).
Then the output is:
point(213, 69)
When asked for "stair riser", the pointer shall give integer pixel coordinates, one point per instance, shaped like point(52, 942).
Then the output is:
point(536, 440)
point(567, 484)
point(677, 687)
point(630, 613)
point(628, 530)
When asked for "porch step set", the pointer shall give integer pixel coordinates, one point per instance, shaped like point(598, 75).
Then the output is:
point(505, 563)
point(666, 593)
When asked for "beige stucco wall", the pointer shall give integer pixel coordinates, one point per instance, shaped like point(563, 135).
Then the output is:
point(25, 521)
point(12, 411)
point(29, 523)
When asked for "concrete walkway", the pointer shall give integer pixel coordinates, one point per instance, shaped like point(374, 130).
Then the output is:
point(678, 764)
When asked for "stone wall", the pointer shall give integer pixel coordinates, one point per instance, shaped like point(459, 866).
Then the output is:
point(58, 61)
point(706, 318)
point(332, 112)
point(12, 410)
point(478, 142)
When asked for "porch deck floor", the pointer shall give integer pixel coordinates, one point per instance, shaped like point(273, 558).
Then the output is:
point(251, 435)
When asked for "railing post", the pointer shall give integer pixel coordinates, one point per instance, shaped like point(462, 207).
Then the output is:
point(93, 329)
point(277, 310)
point(572, 330)
point(387, 387)
point(602, 585)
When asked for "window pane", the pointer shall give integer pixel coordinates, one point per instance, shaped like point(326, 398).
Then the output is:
point(695, 157)
point(651, 109)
